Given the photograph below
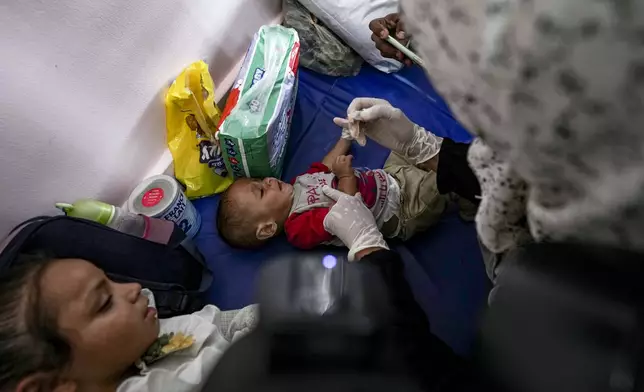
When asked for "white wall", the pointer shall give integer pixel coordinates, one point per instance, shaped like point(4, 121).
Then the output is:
point(81, 90)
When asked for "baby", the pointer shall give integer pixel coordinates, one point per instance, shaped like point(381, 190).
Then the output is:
point(404, 200)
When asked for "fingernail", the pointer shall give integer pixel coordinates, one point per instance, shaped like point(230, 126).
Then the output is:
point(400, 35)
point(383, 34)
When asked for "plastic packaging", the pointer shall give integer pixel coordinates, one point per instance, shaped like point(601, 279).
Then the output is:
point(255, 124)
point(321, 50)
point(191, 119)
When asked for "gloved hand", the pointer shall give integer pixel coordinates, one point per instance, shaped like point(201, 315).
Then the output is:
point(389, 127)
point(352, 222)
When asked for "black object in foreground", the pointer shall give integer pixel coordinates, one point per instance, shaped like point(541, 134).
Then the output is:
point(326, 325)
point(565, 317)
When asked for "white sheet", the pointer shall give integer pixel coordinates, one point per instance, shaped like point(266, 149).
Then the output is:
point(349, 19)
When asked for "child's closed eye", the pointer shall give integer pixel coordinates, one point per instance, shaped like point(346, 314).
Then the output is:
point(107, 304)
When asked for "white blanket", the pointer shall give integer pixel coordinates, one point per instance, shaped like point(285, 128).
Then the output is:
point(185, 371)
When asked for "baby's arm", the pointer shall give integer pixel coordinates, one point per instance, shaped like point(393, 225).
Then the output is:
point(348, 185)
point(430, 165)
point(341, 148)
point(343, 170)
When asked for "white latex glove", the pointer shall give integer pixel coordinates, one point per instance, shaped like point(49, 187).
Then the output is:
point(389, 127)
point(352, 222)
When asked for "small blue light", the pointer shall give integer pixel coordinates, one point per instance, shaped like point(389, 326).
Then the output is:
point(329, 261)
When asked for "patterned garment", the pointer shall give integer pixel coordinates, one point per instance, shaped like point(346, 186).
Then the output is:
point(321, 50)
point(554, 89)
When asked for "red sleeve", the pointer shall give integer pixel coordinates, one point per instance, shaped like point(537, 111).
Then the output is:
point(306, 230)
point(317, 167)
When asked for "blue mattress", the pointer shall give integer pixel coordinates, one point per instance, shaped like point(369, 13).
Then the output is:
point(443, 265)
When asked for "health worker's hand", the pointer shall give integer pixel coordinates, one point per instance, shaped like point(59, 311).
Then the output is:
point(383, 27)
point(389, 127)
point(352, 222)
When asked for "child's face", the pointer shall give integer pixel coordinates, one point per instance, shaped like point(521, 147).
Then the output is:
point(266, 200)
point(108, 324)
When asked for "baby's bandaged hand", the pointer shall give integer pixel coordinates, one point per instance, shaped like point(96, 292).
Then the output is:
point(351, 130)
point(389, 127)
point(352, 222)
point(346, 134)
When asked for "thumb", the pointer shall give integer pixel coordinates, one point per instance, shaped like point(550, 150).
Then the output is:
point(400, 31)
point(341, 122)
point(332, 193)
point(362, 103)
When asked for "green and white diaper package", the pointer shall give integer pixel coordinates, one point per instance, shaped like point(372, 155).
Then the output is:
point(254, 126)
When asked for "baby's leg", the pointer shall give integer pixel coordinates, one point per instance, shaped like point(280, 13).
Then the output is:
point(431, 165)
point(421, 206)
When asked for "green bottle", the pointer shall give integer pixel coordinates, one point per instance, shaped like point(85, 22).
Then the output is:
point(115, 217)
point(89, 209)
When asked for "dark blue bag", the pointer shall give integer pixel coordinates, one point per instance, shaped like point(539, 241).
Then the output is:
point(175, 271)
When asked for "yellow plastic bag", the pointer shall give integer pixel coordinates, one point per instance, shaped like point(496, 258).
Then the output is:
point(191, 118)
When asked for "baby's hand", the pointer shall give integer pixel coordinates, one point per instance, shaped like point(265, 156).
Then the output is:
point(342, 166)
point(352, 130)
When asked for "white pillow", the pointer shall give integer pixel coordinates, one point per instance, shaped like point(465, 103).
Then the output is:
point(349, 19)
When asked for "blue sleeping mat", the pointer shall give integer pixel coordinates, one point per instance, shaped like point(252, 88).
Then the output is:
point(443, 265)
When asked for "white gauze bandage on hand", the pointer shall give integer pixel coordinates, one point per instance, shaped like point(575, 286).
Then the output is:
point(352, 131)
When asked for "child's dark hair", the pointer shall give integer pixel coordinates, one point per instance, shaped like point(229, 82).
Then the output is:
point(29, 339)
point(234, 227)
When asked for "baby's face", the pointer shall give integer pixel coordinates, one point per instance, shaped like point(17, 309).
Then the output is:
point(266, 200)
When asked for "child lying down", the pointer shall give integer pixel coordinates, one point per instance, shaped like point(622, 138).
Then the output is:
point(404, 200)
point(67, 327)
